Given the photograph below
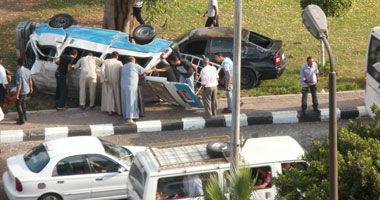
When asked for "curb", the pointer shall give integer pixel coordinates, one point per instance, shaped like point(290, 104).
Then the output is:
point(191, 123)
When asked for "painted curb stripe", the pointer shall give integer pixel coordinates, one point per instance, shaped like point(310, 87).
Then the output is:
point(283, 117)
point(11, 136)
point(124, 129)
point(102, 130)
point(349, 114)
point(260, 120)
point(325, 114)
point(243, 120)
point(149, 126)
point(56, 132)
point(362, 111)
point(193, 123)
point(178, 125)
point(216, 122)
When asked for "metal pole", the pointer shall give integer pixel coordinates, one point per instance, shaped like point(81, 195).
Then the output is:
point(323, 60)
point(333, 162)
point(236, 86)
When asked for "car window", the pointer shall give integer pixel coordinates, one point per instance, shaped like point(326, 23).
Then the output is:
point(197, 47)
point(101, 164)
point(373, 62)
point(221, 45)
point(37, 158)
point(259, 40)
point(81, 53)
point(179, 187)
point(73, 165)
point(139, 60)
point(117, 151)
point(46, 52)
point(262, 178)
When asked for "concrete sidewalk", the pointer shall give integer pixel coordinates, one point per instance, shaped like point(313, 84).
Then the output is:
point(49, 124)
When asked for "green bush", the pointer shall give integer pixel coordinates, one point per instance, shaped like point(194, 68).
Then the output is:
point(333, 8)
point(358, 166)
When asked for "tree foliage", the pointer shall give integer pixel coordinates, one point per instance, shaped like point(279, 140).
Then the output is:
point(240, 186)
point(333, 8)
point(358, 166)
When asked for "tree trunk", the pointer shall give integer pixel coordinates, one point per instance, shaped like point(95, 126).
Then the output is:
point(117, 14)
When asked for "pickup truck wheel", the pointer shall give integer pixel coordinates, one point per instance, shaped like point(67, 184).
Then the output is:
point(144, 34)
point(248, 78)
point(50, 196)
point(62, 21)
point(216, 149)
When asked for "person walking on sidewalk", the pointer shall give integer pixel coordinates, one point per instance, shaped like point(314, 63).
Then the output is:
point(64, 65)
point(129, 85)
point(309, 76)
point(3, 84)
point(212, 13)
point(111, 85)
point(228, 67)
point(87, 77)
point(137, 7)
point(24, 87)
point(209, 81)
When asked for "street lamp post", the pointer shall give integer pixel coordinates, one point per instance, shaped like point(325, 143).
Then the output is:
point(315, 21)
point(235, 122)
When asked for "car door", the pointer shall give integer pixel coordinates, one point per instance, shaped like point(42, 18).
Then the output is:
point(71, 178)
point(109, 178)
point(173, 92)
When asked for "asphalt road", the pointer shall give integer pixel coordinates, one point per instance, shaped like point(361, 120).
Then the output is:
point(302, 132)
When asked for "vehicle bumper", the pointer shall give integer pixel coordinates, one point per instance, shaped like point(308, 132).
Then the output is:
point(11, 193)
point(272, 73)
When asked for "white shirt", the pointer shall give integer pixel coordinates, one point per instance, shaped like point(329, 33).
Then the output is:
point(309, 74)
point(209, 76)
point(138, 3)
point(3, 76)
point(193, 185)
point(88, 66)
point(210, 10)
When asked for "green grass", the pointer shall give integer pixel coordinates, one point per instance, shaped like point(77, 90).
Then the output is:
point(280, 19)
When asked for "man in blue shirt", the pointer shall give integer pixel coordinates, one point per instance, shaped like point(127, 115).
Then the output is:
point(227, 66)
point(24, 87)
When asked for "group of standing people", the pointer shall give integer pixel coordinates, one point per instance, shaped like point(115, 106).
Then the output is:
point(24, 87)
point(119, 87)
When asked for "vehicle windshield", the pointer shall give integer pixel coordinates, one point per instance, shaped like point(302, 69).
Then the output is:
point(373, 61)
point(117, 151)
point(37, 158)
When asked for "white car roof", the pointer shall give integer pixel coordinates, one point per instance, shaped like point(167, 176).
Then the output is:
point(256, 151)
point(73, 145)
point(271, 149)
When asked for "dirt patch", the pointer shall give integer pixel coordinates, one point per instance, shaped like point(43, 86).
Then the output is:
point(12, 9)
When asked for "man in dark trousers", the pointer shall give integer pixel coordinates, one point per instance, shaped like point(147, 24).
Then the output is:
point(137, 7)
point(212, 14)
point(309, 76)
point(24, 87)
point(64, 65)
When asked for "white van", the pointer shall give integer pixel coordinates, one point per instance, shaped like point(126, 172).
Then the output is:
point(372, 94)
point(167, 169)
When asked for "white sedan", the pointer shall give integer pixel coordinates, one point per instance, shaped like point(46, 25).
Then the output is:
point(70, 168)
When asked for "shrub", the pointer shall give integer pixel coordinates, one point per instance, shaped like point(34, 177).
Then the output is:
point(358, 166)
point(333, 8)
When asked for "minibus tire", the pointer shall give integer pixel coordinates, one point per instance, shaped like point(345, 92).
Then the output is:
point(62, 21)
point(218, 149)
point(144, 34)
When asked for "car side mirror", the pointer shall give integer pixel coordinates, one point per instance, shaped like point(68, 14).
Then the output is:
point(121, 170)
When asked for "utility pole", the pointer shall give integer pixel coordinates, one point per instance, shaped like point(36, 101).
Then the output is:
point(236, 86)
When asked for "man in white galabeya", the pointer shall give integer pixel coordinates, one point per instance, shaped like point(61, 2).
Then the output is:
point(309, 76)
point(212, 13)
